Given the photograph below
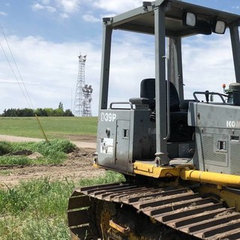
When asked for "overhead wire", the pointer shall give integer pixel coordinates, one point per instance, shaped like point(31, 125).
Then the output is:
point(21, 81)
point(22, 84)
point(14, 74)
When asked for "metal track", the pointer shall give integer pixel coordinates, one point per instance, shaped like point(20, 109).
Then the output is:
point(179, 208)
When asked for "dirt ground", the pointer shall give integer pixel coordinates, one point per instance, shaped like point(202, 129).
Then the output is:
point(79, 141)
point(76, 167)
point(77, 138)
point(81, 138)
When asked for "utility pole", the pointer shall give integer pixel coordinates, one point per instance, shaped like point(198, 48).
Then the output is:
point(78, 101)
point(83, 92)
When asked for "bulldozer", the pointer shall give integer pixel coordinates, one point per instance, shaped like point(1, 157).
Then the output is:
point(180, 157)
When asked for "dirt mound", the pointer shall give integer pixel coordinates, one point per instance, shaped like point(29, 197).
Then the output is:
point(35, 155)
point(81, 153)
point(76, 167)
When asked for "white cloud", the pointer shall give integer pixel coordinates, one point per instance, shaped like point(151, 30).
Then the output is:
point(3, 13)
point(64, 15)
point(207, 65)
point(63, 7)
point(107, 15)
point(53, 66)
point(68, 6)
point(38, 6)
point(117, 6)
point(45, 2)
point(90, 18)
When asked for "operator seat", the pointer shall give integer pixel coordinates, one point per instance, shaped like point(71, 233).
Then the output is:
point(180, 131)
point(147, 95)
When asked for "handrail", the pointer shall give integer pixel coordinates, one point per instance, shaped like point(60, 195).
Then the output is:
point(111, 105)
point(207, 94)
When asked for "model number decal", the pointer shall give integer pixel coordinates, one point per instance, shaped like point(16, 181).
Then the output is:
point(233, 124)
point(108, 117)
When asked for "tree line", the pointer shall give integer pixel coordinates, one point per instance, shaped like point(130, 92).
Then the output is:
point(41, 112)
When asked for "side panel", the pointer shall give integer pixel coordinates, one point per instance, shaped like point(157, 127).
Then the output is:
point(217, 136)
point(113, 139)
point(125, 136)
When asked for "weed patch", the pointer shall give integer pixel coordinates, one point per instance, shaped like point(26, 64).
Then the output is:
point(5, 148)
point(53, 152)
point(109, 177)
point(14, 160)
point(37, 209)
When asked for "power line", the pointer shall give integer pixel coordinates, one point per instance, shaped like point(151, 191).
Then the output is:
point(22, 87)
point(7, 81)
point(26, 94)
point(14, 74)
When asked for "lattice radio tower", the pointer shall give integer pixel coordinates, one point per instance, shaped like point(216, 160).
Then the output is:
point(83, 93)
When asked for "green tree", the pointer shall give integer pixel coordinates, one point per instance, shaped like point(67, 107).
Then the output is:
point(58, 112)
point(41, 112)
point(60, 106)
point(68, 113)
point(49, 111)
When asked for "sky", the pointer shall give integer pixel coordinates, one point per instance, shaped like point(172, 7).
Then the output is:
point(46, 36)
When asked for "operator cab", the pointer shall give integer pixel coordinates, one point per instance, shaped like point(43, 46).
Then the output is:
point(159, 126)
point(179, 129)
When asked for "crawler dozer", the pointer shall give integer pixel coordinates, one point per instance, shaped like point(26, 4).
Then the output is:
point(180, 158)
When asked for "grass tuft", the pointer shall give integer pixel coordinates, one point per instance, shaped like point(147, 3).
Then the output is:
point(37, 209)
point(53, 152)
point(45, 196)
point(110, 177)
point(15, 160)
point(5, 148)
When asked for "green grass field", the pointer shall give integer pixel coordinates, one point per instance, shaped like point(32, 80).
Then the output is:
point(55, 127)
point(37, 209)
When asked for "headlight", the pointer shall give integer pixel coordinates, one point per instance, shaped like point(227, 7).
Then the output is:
point(190, 19)
point(219, 27)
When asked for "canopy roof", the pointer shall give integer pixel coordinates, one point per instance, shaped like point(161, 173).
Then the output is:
point(142, 19)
